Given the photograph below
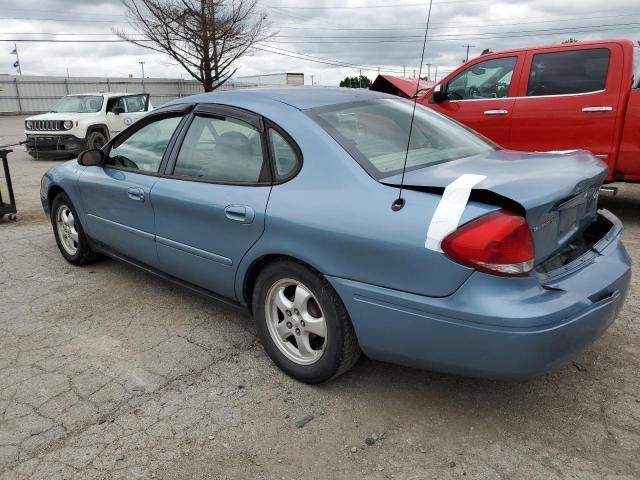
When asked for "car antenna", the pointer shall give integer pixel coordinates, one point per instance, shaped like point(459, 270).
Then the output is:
point(398, 203)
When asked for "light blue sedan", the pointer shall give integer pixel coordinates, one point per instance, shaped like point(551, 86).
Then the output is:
point(295, 204)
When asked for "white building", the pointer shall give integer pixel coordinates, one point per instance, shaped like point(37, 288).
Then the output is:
point(274, 79)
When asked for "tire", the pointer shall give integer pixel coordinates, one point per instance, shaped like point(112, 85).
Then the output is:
point(96, 139)
point(81, 254)
point(320, 358)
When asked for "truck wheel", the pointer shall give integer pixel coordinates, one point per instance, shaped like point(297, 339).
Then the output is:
point(96, 139)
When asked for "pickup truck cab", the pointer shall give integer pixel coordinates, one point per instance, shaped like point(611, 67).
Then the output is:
point(87, 120)
point(583, 95)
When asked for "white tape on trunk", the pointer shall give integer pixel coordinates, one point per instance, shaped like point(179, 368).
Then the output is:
point(450, 209)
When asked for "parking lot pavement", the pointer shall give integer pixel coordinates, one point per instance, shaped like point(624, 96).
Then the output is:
point(107, 373)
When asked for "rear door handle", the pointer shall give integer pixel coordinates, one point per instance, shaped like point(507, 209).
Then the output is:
point(239, 213)
point(598, 109)
point(496, 112)
point(136, 193)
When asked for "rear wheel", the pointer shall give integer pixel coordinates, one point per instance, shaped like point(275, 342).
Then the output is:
point(70, 237)
point(302, 323)
point(96, 139)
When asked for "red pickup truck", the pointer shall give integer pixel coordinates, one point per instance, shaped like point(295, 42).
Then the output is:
point(583, 95)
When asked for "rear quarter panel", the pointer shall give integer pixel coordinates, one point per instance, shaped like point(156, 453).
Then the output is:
point(338, 219)
point(628, 166)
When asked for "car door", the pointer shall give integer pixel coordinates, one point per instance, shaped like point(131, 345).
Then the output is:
point(569, 100)
point(210, 205)
point(115, 115)
point(136, 106)
point(117, 194)
point(481, 96)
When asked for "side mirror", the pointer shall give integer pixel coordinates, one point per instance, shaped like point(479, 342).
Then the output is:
point(439, 94)
point(117, 110)
point(91, 158)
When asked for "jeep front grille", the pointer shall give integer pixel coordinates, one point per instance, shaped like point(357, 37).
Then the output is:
point(47, 125)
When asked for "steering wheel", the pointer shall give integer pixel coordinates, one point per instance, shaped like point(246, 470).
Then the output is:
point(474, 92)
point(124, 162)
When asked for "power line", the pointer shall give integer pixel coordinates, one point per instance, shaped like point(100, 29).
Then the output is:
point(450, 38)
point(448, 25)
point(357, 7)
point(459, 35)
point(576, 29)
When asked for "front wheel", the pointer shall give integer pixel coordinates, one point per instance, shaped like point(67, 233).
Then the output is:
point(302, 323)
point(96, 139)
point(70, 236)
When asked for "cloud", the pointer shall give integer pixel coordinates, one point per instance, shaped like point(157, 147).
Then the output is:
point(344, 35)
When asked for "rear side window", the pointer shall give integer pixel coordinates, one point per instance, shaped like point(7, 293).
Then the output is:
point(636, 66)
point(284, 155)
point(225, 150)
point(569, 72)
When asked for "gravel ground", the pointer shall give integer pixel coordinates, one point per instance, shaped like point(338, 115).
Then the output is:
point(108, 373)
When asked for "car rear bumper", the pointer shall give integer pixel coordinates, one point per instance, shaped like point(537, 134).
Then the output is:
point(54, 145)
point(494, 327)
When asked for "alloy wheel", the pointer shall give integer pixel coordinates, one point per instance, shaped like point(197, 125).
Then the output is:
point(295, 321)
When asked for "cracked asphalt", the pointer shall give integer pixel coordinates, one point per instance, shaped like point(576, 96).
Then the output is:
point(108, 373)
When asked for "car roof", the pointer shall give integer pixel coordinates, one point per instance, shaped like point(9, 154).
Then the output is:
point(559, 46)
point(302, 98)
point(106, 94)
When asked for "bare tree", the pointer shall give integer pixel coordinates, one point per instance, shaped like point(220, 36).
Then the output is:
point(206, 37)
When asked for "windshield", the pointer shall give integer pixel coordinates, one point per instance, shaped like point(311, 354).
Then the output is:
point(636, 66)
point(376, 134)
point(78, 104)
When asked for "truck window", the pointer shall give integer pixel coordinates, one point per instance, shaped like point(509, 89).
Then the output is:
point(636, 66)
point(490, 79)
point(568, 72)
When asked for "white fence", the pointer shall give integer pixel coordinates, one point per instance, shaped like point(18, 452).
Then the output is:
point(35, 94)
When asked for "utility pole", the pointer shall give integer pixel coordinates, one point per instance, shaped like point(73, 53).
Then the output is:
point(142, 65)
point(403, 71)
point(435, 75)
point(428, 71)
point(312, 77)
point(360, 78)
point(468, 47)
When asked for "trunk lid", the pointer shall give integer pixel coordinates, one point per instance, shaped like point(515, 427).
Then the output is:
point(556, 192)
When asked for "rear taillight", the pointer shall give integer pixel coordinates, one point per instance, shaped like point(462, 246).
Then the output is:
point(499, 243)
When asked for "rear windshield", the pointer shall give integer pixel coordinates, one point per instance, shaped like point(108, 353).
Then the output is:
point(376, 133)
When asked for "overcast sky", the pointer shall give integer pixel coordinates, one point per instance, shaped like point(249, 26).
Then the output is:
point(361, 34)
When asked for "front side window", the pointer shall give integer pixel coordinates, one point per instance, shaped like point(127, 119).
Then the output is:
point(568, 72)
point(135, 103)
point(225, 150)
point(144, 149)
point(376, 134)
point(78, 104)
point(489, 79)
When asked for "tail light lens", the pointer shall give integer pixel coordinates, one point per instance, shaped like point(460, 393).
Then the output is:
point(499, 243)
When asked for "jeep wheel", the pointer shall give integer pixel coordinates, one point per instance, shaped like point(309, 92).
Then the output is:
point(96, 139)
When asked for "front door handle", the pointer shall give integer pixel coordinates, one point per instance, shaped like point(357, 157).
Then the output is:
point(136, 193)
point(598, 109)
point(239, 213)
point(496, 112)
